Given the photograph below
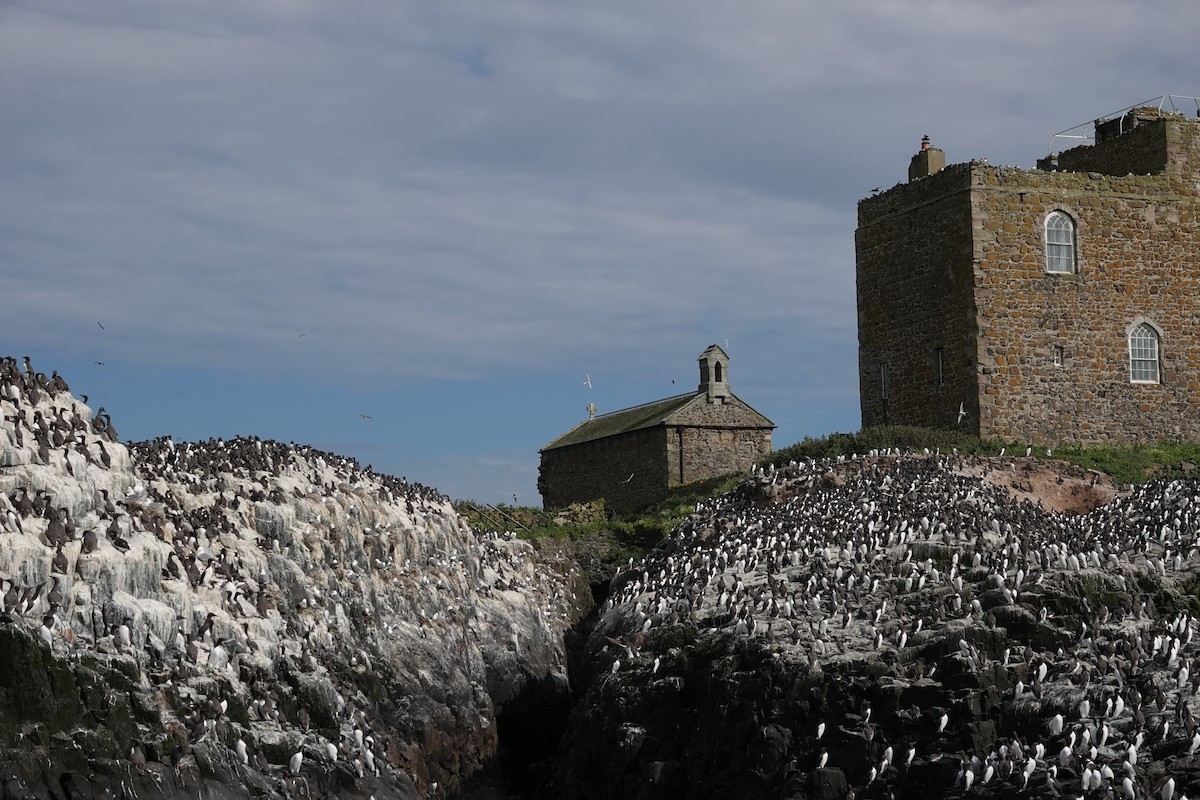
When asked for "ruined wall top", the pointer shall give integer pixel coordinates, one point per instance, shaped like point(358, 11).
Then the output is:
point(1142, 141)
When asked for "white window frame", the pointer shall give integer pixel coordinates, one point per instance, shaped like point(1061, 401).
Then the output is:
point(1059, 229)
point(1145, 352)
point(1058, 355)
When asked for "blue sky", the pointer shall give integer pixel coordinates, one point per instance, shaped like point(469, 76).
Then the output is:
point(443, 215)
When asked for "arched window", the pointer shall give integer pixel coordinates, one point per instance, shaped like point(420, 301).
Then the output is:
point(1060, 243)
point(1143, 354)
point(718, 371)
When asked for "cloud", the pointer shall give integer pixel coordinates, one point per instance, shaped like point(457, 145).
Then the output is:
point(227, 225)
point(477, 191)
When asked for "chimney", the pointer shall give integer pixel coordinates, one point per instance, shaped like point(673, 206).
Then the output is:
point(927, 161)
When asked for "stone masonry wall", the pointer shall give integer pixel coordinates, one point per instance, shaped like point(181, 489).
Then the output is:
point(957, 259)
point(914, 281)
point(1141, 150)
point(714, 439)
point(1138, 255)
point(603, 468)
point(1153, 142)
point(710, 452)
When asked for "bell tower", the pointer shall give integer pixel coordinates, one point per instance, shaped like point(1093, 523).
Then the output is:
point(714, 374)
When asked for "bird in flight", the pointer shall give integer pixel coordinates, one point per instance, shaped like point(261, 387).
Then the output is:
point(366, 416)
point(627, 480)
point(587, 380)
point(962, 412)
point(100, 363)
point(101, 326)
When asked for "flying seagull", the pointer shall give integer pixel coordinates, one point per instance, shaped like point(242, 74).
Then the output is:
point(366, 416)
point(101, 326)
point(587, 380)
point(962, 412)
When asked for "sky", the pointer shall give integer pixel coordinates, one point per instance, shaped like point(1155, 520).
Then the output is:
point(408, 231)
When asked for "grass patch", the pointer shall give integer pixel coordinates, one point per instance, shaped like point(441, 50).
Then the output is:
point(906, 438)
point(1135, 463)
point(630, 534)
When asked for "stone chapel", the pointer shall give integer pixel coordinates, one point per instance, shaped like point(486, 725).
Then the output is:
point(632, 457)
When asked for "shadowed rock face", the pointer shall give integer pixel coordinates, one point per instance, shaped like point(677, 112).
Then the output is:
point(248, 618)
point(897, 625)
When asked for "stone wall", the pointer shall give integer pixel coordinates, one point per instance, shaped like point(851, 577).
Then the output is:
point(1138, 257)
point(702, 440)
point(957, 260)
point(627, 470)
point(710, 452)
point(1140, 149)
point(915, 296)
point(1145, 141)
point(715, 439)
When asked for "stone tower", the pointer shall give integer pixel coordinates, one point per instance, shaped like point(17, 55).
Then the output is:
point(1045, 305)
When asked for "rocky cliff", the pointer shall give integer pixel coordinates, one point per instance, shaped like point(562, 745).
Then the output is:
point(252, 618)
point(900, 626)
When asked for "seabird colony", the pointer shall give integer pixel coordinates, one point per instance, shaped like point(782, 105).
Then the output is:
point(270, 579)
point(1075, 633)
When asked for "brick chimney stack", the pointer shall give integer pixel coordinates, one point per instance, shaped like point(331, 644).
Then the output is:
point(927, 161)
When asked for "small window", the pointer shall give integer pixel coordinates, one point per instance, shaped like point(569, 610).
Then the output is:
point(1060, 243)
point(1143, 354)
point(1058, 355)
point(940, 366)
point(883, 381)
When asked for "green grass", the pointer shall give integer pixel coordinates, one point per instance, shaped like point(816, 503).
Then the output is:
point(904, 437)
point(631, 534)
point(1135, 463)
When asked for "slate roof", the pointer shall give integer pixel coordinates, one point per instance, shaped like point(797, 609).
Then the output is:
point(646, 415)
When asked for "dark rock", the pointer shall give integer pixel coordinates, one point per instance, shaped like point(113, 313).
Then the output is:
point(828, 784)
